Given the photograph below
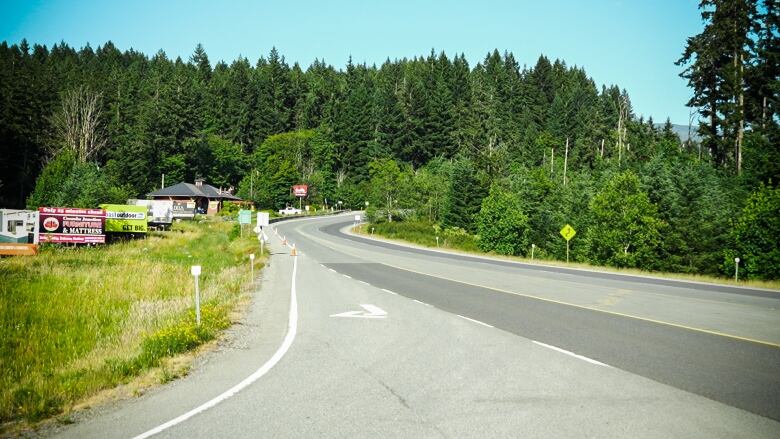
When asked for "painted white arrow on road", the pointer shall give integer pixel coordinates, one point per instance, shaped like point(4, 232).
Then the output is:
point(371, 312)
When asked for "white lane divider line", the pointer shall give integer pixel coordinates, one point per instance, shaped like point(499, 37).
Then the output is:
point(292, 329)
point(333, 270)
point(564, 351)
point(364, 282)
point(347, 276)
point(422, 303)
point(388, 291)
point(475, 321)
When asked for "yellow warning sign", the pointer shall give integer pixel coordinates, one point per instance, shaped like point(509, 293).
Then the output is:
point(568, 232)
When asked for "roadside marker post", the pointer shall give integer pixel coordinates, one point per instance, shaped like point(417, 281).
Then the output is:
point(437, 241)
point(251, 268)
point(736, 269)
point(195, 270)
point(533, 247)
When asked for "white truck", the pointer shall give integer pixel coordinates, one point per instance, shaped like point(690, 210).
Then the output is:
point(289, 210)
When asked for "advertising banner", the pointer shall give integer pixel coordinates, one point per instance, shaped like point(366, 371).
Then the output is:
point(19, 226)
point(158, 211)
point(300, 190)
point(65, 225)
point(123, 218)
point(183, 209)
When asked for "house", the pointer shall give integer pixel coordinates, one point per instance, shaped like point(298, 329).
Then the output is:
point(189, 199)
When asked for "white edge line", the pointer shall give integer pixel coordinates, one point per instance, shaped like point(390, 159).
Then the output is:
point(475, 321)
point(347, 276)
point(388, 291)
point(422, 303)
point(564, 351)
point(332, 270)
point(292, 329)
point(364, 282)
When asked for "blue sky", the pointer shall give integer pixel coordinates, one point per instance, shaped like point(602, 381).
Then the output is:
point(631, 43)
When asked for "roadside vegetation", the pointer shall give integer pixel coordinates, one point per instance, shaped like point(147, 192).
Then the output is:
point(423, 234)
point(76, 321)
point(507, 149)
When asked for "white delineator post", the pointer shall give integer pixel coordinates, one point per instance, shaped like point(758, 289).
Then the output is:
point(533, 247)
point(736, 269)
point(251, 268)
point(195, 270)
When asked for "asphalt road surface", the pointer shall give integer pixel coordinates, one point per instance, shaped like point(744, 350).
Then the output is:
point(356, 337)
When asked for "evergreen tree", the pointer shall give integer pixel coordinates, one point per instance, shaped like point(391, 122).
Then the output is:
point(464, 197)
point(717, 59)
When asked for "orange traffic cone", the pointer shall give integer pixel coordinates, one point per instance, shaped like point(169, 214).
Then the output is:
point(284, 240)
point(293, 252)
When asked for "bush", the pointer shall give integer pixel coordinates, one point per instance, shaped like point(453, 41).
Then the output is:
point(502, 225)
point(755, 237)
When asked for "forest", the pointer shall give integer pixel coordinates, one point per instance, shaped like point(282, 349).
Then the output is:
point(506, 151)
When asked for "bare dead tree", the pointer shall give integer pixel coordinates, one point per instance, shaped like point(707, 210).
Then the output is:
point(78, 124)
point(621, 126)
point(341, 176)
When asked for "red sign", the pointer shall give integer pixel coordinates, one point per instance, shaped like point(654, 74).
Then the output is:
point(300, 190)
point(72, 226)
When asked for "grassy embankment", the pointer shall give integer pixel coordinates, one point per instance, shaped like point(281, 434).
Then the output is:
point(76, 321)
point(422, 234)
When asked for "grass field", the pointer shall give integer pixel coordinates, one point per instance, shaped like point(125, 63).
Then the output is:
point(75, 321)
point(424, 234)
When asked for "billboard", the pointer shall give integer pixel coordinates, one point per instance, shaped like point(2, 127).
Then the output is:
point(300, 190)
point(158, 211)
point(19, 226)
point(123, 218)
point(183, 209)
point(66, 225)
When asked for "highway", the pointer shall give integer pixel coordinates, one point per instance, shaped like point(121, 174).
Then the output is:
point(356, 337)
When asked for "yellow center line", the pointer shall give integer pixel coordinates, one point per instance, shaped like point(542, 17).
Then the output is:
point(646, 319)
point(530, 296)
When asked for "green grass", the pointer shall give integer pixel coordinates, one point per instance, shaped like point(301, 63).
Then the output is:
point(75, 321)
point(424, 234)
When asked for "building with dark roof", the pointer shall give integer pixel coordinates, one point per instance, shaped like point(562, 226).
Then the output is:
point(206, 197)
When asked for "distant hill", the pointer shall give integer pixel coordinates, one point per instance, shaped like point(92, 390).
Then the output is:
point(682, 131)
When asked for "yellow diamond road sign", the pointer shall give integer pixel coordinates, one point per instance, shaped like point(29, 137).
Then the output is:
point(568, 232)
